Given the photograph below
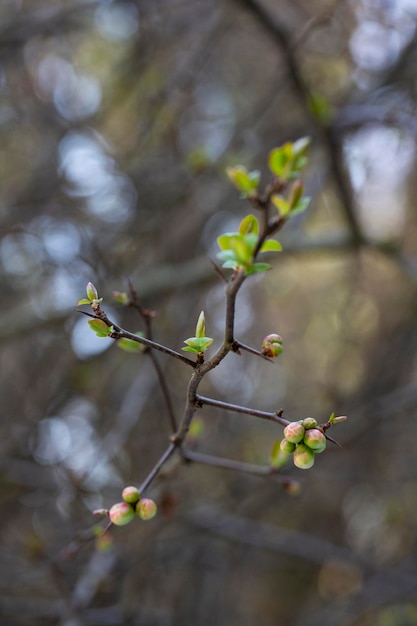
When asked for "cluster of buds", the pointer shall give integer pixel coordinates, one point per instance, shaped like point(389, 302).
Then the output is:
point(123, 513)
point(303, 439)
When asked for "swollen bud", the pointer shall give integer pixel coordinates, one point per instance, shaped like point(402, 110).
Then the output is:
point(309, 422)
point(272, 345)
point(200, 329)
point(92, 293)
point(287, 446)
point(130, 495)
point(303, 457)
point(315, 440)
point(146, 509)
point(121, 297)
point(294, 432)
point(121, 514)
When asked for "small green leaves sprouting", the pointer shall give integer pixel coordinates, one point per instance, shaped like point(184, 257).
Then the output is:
point(237, 250)
point(200, 342)
point(287, 161)
point(245, 182)
point(92, 297)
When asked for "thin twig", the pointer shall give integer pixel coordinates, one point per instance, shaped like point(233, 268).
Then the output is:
point(239, 345)
point(157, 467)
point(272, 417)
point(224, 463)
point(147, 316)
point(120, 333)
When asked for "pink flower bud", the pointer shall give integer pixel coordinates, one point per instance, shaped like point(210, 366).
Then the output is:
point(315, 440)
point(272, 345)
point(130, 495)
point(287, 446)
point(294, 432)
point(146, 509)
point(121, 514)
point(303, 457)
point(309, 422)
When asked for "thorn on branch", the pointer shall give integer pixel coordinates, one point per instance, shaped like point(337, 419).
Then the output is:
point(218, 271)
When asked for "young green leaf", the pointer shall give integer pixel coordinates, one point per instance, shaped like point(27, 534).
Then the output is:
point(100, 328)
point(280, 161)
point(271, 246)
point(130, 345)
point(245, 182)
point(300, 207)
point(259, 267)
point(249, 224)
point(197, 344)
point(281, 204)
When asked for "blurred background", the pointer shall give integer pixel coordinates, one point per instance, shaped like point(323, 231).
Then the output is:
point(117, 121)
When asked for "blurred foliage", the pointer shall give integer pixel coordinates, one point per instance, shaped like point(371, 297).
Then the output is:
point(118, 120)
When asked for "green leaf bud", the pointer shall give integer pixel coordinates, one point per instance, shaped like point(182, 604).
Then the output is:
point(200, 329)
point(130, 495)
point(309, 422)
point(294, 432)
point(92, 293)
point(101, 512)
point(146, 509)
point(303, 457)
point(121, 297)
point(340, 418)
point(121, 514)
point(315, 440)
